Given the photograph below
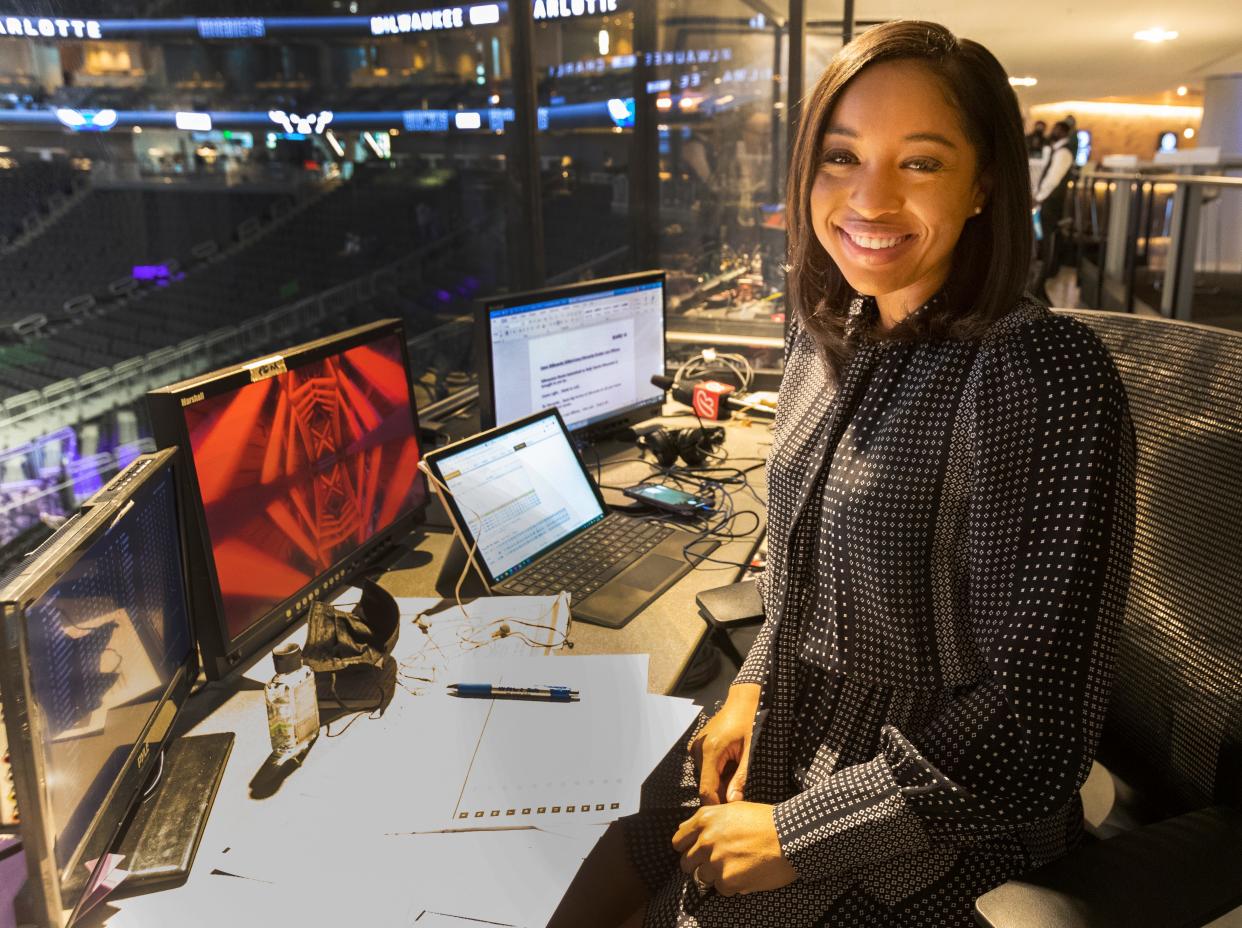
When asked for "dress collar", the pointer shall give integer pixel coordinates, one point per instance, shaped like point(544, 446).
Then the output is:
point(864, 313)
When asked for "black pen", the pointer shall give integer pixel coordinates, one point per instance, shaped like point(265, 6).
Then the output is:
point(487, 691)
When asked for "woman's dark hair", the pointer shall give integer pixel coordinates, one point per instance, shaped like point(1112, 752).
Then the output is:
point(992, 255)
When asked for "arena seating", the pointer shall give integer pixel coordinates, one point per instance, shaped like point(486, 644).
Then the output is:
point(577, 228)
point(28, 189)
point(101, 240)
point(349, 233)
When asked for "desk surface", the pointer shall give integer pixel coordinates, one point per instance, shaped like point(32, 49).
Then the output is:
point(669, 630)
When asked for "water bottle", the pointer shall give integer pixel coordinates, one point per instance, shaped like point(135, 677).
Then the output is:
point(292, 704)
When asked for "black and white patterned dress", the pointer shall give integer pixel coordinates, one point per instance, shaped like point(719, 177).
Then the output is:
point(949, 549)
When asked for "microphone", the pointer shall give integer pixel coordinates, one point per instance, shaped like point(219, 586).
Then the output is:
point(710, 399)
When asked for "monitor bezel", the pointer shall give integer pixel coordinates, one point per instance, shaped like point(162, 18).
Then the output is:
point(52, 891)
point(222, 654)
point(485, 361)
point(432, 461)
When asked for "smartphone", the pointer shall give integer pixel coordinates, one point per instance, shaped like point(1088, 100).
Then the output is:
point(668, 498)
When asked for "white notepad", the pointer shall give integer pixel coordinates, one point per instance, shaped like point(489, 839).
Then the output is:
point(541, 762)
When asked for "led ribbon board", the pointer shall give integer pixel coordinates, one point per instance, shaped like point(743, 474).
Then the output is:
point(243, 28)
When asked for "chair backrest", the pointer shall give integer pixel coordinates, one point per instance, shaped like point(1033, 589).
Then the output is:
point(1177, 705)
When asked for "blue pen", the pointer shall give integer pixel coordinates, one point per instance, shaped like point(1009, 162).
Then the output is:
point(487, 691)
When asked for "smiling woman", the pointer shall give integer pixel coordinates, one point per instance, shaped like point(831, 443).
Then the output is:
point(913, 134)
point(888, 204)
point(950, 520)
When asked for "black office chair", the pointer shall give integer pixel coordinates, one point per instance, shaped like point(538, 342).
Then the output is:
point(733, 614)
point(1169, 853)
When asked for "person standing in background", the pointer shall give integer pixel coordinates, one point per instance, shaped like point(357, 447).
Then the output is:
point(1070, 121)
point(1036, 139)
point(1049, 199)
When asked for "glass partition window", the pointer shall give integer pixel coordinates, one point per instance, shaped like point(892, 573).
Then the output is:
point(584, 76)
point(191, 185)
point(662, 145)
point(717, 78)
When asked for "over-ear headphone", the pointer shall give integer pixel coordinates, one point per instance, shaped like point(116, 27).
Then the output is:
point(692, 445)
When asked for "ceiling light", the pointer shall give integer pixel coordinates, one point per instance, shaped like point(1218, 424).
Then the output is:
point(193, 122)
point(1023, 81)
point(1188, 133)
point(1183, 90)
point(1156, 34)
point(1182, 113)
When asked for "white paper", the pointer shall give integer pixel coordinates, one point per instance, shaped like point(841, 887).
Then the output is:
point(317, 899)
point(543, 762)
point(375, 806)
point(428, 919)
point(512, 877)
point(508, 877)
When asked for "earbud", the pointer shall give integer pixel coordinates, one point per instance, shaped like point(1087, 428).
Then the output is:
point(978, 210)
point(503, 632)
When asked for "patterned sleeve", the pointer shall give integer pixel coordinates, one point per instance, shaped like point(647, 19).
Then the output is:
point(755, 667)
point(1050, 530)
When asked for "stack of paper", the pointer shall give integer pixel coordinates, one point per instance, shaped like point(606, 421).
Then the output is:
point(537, 763)
point(410, 810)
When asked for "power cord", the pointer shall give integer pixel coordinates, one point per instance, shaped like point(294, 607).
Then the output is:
point(501, 627)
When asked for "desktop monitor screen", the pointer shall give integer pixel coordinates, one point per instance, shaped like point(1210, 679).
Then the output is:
point(588, 349)
point(97, 658)
point(301, 465)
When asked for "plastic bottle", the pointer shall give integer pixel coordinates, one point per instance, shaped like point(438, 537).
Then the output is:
point(292, 704)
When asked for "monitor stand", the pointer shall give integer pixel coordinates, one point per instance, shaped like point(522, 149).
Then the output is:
point(455, 561)
point(161, 838)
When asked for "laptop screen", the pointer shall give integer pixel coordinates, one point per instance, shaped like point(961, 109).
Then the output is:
point(519, 492)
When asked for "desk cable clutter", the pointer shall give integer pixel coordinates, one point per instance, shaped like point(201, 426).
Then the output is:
point(499, 627)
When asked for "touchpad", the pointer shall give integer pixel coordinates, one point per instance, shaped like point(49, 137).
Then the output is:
point(650, 572)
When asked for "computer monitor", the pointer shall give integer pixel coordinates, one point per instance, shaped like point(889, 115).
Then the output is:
point(96, 659)
point(588, 349)
point(301, 466)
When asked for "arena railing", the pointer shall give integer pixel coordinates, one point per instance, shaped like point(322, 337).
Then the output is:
point(1119, 216)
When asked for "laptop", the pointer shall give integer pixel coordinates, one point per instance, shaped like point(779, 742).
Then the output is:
point(522, 501)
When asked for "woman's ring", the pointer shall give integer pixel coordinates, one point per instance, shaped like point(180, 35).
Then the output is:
point(701, 884)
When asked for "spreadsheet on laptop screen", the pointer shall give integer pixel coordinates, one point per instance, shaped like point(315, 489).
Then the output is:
point(520, 493)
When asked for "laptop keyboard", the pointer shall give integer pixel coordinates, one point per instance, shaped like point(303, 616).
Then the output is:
point(584, 564)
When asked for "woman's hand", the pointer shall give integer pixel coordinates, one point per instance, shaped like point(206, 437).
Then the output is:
point(722, 749)
point(734, 848)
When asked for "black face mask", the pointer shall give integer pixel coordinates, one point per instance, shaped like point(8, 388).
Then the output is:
point(337, 640)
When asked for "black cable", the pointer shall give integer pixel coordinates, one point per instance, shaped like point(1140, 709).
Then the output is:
point(599, 464)
point(715, 481)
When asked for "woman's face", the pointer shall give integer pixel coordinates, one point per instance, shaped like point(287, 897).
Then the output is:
point(895, 183)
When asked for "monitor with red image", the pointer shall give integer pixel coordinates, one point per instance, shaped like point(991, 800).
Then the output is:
point(302, 464)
